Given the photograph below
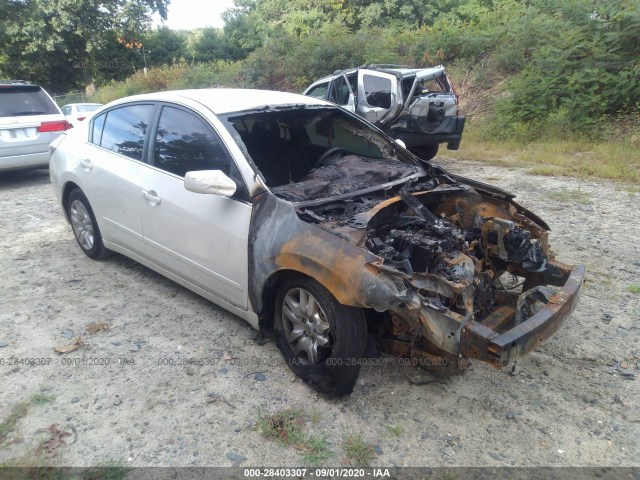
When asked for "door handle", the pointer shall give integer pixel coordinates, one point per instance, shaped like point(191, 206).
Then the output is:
point(152, 197)
point(86, 164)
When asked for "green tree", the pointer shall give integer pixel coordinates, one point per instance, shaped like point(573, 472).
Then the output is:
point(167, 46)
point(78, 28)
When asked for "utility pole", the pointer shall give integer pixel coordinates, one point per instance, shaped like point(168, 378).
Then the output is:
point(144, 54)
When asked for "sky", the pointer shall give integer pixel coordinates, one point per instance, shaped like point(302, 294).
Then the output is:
point(188, 14)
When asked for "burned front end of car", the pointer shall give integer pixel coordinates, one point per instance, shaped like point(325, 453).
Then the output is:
point(472, 272)
point(447, 269)
point(483, 281)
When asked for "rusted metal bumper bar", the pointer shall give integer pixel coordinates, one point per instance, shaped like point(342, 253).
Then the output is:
point(481, 342)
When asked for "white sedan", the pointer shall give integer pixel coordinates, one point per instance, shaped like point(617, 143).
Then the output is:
point(298, 215)
point(78, 112)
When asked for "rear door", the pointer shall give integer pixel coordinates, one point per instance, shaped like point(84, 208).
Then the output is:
point(111, 169)
point(201, 238)
point(377, 96)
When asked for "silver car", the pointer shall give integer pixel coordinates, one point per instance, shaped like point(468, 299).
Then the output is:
point(296, 214)
point(29, 121)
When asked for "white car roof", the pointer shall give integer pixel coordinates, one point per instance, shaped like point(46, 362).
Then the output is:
point(75, 104)
point(226, 100)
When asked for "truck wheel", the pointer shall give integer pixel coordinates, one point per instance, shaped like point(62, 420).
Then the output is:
point(425, 152)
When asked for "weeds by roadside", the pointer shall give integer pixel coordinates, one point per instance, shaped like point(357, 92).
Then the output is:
point(550, 155)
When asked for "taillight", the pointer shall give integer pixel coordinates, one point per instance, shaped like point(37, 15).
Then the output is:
point(81, 118)
point(55, 126)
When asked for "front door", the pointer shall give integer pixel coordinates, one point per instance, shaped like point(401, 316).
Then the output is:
point(201, 238)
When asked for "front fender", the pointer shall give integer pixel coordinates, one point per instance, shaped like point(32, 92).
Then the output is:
point(279, 241)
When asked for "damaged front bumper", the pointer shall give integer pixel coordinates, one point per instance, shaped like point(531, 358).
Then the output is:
point(484, 340)
point(499, 338)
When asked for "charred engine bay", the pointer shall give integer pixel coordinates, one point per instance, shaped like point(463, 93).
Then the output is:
point(434, 226)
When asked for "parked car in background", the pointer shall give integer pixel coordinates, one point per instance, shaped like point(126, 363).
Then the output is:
point(416, 105)
point(29, 121)
point(294, 213)
point(77, 112)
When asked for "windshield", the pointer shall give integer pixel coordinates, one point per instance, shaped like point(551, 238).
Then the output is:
point(307, 153)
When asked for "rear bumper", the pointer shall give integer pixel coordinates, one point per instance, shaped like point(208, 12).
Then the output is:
point(29, 160)
point(452, 137)
point(481, 342)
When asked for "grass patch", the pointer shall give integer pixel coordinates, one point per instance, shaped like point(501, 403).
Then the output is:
point(8, 425)
point(317, 451)
point(288, 428)
point(571, 155)
point(633, 288)
point(107, 471)
point(285, 426)
point(395, 430)
point(358, 451)
point(565, 195)
point(41, 399)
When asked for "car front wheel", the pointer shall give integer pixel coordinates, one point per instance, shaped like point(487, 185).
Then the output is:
point(322, 340)
point(84, 225)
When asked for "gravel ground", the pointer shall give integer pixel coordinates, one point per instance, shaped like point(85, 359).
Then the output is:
point(574, 401)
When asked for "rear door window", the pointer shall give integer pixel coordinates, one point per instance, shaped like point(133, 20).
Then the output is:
point(125, 130)
point(25, 100)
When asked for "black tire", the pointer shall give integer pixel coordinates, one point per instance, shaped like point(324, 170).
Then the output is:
point(337, 365)
point(95, 248)
point(425, 152)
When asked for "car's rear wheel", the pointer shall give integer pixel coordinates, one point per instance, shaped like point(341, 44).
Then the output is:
point(425, 152)
point(84, 225)
point(322, 340)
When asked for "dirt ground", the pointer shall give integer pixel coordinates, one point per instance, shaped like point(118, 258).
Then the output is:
point(124, 396)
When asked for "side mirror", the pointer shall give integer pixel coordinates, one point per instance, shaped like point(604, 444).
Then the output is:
point(401, 143)
point(213, 182)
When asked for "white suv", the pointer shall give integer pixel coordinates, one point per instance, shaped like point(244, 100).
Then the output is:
point(29, 121)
